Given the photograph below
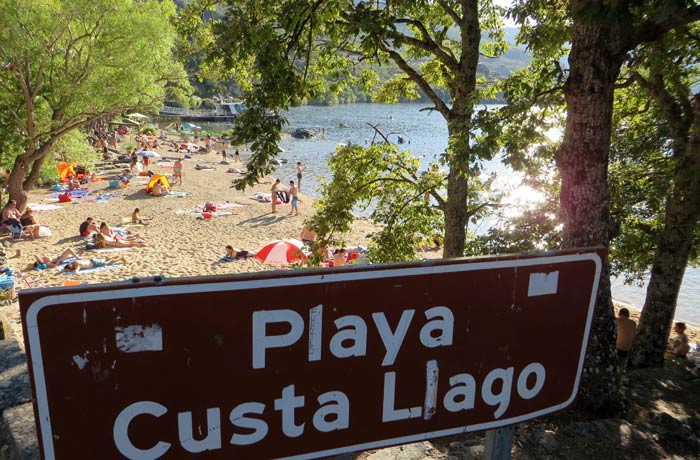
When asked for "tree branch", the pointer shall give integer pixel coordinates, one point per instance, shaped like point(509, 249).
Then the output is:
point(450, 11)
point(418, 79)
point(426, 44)
point(650, 31)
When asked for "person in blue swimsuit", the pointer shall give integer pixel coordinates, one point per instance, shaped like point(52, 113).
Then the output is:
point(294, 193)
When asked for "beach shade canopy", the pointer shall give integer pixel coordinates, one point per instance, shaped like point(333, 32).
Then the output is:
point(137, 115)
point(154, 179)
point(148, 154)
point(65, 170)
point(190, 126)
point(124, 122)
point(281, 252)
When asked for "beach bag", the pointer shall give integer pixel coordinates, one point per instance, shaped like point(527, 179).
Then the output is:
point(65, 197)
point(209, 207)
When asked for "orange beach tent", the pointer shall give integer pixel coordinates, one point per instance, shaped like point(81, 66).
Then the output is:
point(65, 170)
point(153, 181)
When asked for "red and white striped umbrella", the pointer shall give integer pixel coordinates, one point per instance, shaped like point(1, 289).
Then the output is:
point(280, 252)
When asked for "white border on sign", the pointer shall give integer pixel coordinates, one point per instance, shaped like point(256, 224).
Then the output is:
point(38, 365)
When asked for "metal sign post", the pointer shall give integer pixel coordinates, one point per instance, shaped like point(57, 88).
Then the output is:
point(498, 444)
point(310, 363)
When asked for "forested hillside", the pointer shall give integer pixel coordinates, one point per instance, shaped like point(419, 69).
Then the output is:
point(207, 88)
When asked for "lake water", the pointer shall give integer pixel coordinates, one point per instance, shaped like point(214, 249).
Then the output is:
point(425, 134)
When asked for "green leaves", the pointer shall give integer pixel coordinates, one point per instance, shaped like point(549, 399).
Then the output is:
point(66, 63)
point(386, 184)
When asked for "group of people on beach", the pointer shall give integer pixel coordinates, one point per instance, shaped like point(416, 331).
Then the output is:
point(105, 237)
point(678, 347)
point(290, 195)
point(20, 224)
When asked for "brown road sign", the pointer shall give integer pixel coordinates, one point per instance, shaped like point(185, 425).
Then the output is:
point(308, 363)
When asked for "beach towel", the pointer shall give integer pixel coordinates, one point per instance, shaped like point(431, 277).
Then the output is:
point(228, 205)
point(74, 193)
point(102, 198)
point(93, 248)
point(43, 207)
point(175, 195)
point(60, 269)
point(209, 215)
point(126, 221)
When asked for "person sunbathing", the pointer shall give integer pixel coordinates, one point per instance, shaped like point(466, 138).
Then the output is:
point(159, 189)
point(28, 218)
point(77, 265)
point(308, 236)
point(10, 214)
point(107, 231)
point(103, 241)
point(73, 183)
point(88, 227)
point(236, 254)
point(339, 257)
point(61, 259)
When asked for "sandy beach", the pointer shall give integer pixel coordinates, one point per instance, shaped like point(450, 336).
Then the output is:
point(180, 242)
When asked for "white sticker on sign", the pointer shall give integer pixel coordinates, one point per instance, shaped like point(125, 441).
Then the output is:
point(132, 339)
point(543, 284)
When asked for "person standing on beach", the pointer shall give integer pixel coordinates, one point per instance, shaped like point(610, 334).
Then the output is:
point(224, 145)
point(177, 171)
point(300, 168)
point(273, 195)
point(293, 192)
point(237, 156)
point(626, 330)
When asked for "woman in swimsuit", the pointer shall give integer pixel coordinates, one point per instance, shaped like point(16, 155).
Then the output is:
point(103, 241)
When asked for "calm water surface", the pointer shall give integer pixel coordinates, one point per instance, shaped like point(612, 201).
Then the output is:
point(425, 134)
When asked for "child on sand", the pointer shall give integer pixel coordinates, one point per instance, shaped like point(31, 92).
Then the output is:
point(177, 171)
point(679, 347)
point(137, 219)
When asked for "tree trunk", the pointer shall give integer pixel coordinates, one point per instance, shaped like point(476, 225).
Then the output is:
point(15, 183)
point(457, 187)
point(459, 123)
point(582, 159)
point(671, 256)
point(34, 174)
